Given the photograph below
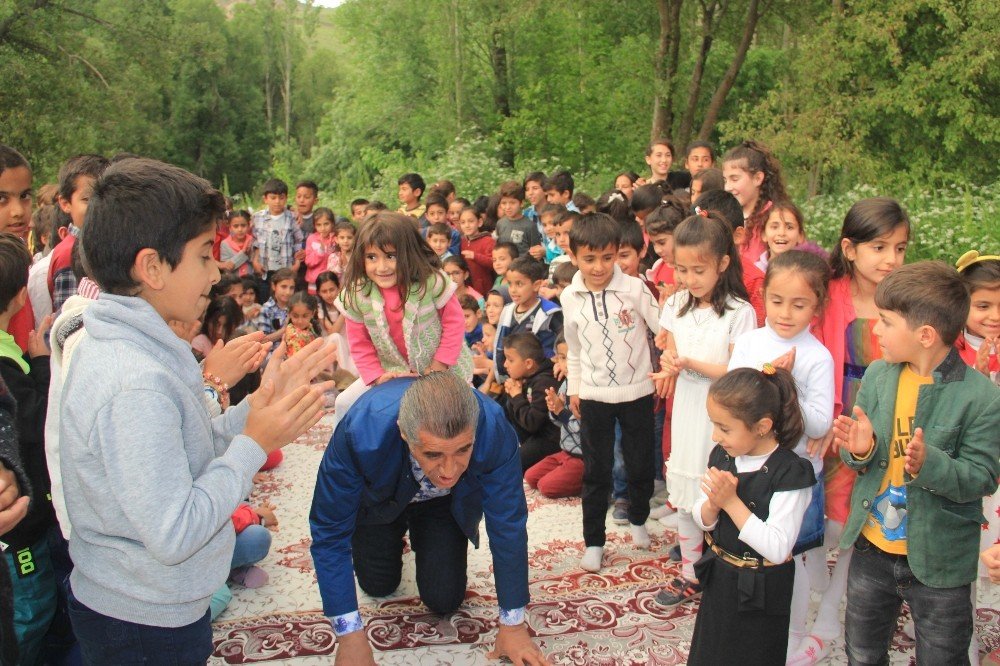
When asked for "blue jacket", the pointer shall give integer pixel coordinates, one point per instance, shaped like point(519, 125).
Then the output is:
point(365, 477)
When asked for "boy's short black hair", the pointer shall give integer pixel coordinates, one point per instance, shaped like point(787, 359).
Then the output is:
point(565, 215)
point(512, 189)
point(534, 177)
point(344, 225)
point(928, 293)
point(550, 209)
point(142, 203)
point(665, 217)
point(631, 236)
point(711, 179)
point(15, 261)
point(275, 186)
point(358, 202)
point(595, 231)
point(76, 166)
point(725, 204)
point(468, 303)
point(436, 199)
point(308, 184)
point(510, 247)
point(11, 159)
point(281, 275)
point(560, 181)
point(529, 267)
point(439, 229)
point(527, 345)
point(700, 144)
point(414, 181)
point(564, 272)
point(375, 206)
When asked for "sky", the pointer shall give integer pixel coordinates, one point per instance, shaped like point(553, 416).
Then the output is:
point(327, 3)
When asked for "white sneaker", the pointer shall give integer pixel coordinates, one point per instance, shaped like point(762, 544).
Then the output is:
point(811, 650)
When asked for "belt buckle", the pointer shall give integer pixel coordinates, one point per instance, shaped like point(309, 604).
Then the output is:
point(750, 561)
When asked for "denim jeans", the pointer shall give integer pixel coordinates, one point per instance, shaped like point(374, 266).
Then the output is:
point(440, 547)
point(106, 640)
point(877, 585)
point(814, 521)
point(252, 545)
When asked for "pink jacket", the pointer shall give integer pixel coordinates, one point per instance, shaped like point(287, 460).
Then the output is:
point(317, 255)
point(830, 330)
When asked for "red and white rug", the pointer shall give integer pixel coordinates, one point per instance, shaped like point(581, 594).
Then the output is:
point(578, 618)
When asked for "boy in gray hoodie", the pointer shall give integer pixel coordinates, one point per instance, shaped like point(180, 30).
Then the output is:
point(150, 479)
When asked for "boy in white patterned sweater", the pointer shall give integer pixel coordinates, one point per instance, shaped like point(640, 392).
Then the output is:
point(607, 317)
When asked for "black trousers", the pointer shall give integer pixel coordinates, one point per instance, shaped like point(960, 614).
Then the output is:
point(440, 546)
point(597, 429)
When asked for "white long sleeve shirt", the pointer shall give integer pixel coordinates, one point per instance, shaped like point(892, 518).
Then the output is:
point(813, 373)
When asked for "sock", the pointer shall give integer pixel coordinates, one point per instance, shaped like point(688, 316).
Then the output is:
point(690, 537)
point(800, 604)
point(592, 559)
point(640, 537)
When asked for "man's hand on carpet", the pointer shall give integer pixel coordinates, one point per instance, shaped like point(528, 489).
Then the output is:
point(353, 649)
point(515, 643)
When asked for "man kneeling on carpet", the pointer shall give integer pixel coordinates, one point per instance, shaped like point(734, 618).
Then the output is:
point(398, 462)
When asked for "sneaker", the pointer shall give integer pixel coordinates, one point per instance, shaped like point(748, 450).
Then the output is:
point(620, 514)
point(662, 511)
point(678, 592)
point(810, 651)
point(675, 553)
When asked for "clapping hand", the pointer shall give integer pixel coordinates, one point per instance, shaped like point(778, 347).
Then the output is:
point(855, 434)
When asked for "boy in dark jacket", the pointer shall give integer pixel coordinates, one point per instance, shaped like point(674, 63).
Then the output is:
point(28, 553)
point(530, 375)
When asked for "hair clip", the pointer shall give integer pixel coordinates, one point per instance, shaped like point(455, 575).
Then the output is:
point(768, 369)
point(698, 210)
point(616, 196)
point(973, 257)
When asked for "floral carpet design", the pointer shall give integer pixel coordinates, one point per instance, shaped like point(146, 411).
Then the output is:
point(578, 618)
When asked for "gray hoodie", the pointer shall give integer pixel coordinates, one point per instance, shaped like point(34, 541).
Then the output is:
point(150, 481)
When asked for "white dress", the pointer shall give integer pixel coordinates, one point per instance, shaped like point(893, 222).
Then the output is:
point(703, 335)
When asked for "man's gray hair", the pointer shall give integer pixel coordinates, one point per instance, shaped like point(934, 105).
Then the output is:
point(441, 404)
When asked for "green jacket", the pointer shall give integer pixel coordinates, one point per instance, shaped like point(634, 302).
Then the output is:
point(960, 417)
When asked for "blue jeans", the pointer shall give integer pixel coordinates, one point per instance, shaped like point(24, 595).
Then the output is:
point(252, 545)
point(105, 640)
point(439, 545)
point(619, 479)
point(877, 585)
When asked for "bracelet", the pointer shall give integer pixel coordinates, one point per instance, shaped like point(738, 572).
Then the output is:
point(221, 387)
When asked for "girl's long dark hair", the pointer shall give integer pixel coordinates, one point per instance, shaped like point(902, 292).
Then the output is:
point(715, 237)
point(321, 279)
point(311, 302)
point(755, 157)
point(416, 262)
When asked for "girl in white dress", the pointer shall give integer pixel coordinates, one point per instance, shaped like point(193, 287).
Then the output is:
point(701, 323)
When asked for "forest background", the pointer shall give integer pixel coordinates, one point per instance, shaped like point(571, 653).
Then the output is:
point(856, 97)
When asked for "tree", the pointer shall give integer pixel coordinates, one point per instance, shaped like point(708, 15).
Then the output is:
point(665, 67)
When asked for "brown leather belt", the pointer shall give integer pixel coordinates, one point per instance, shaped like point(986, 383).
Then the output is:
point(745, 562)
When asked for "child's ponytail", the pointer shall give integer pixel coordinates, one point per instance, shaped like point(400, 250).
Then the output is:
point(751, 395)
point(788, 423)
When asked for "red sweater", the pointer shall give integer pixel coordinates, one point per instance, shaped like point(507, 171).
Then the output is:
point(838, 313)
point(753, 280)
point(481, 264)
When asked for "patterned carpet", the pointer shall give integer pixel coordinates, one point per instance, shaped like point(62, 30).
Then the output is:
point(578, 618)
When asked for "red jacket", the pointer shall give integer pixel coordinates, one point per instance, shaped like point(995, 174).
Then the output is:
point(481, 264)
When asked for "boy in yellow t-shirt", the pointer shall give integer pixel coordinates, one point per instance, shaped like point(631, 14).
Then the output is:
point(924, 442)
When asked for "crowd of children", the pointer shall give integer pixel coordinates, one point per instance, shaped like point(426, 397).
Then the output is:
point(676, 350)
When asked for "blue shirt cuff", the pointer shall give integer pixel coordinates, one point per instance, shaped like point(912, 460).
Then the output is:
point(512, 617)
point(347, 623)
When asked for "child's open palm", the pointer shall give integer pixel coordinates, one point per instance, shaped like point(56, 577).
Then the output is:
point(854, 434)
point(553, 402)
point(983, 355)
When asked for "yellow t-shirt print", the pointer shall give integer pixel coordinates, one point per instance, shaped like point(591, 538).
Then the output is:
point(886, 523)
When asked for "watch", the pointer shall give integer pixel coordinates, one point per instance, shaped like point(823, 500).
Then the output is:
point(212, 393)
